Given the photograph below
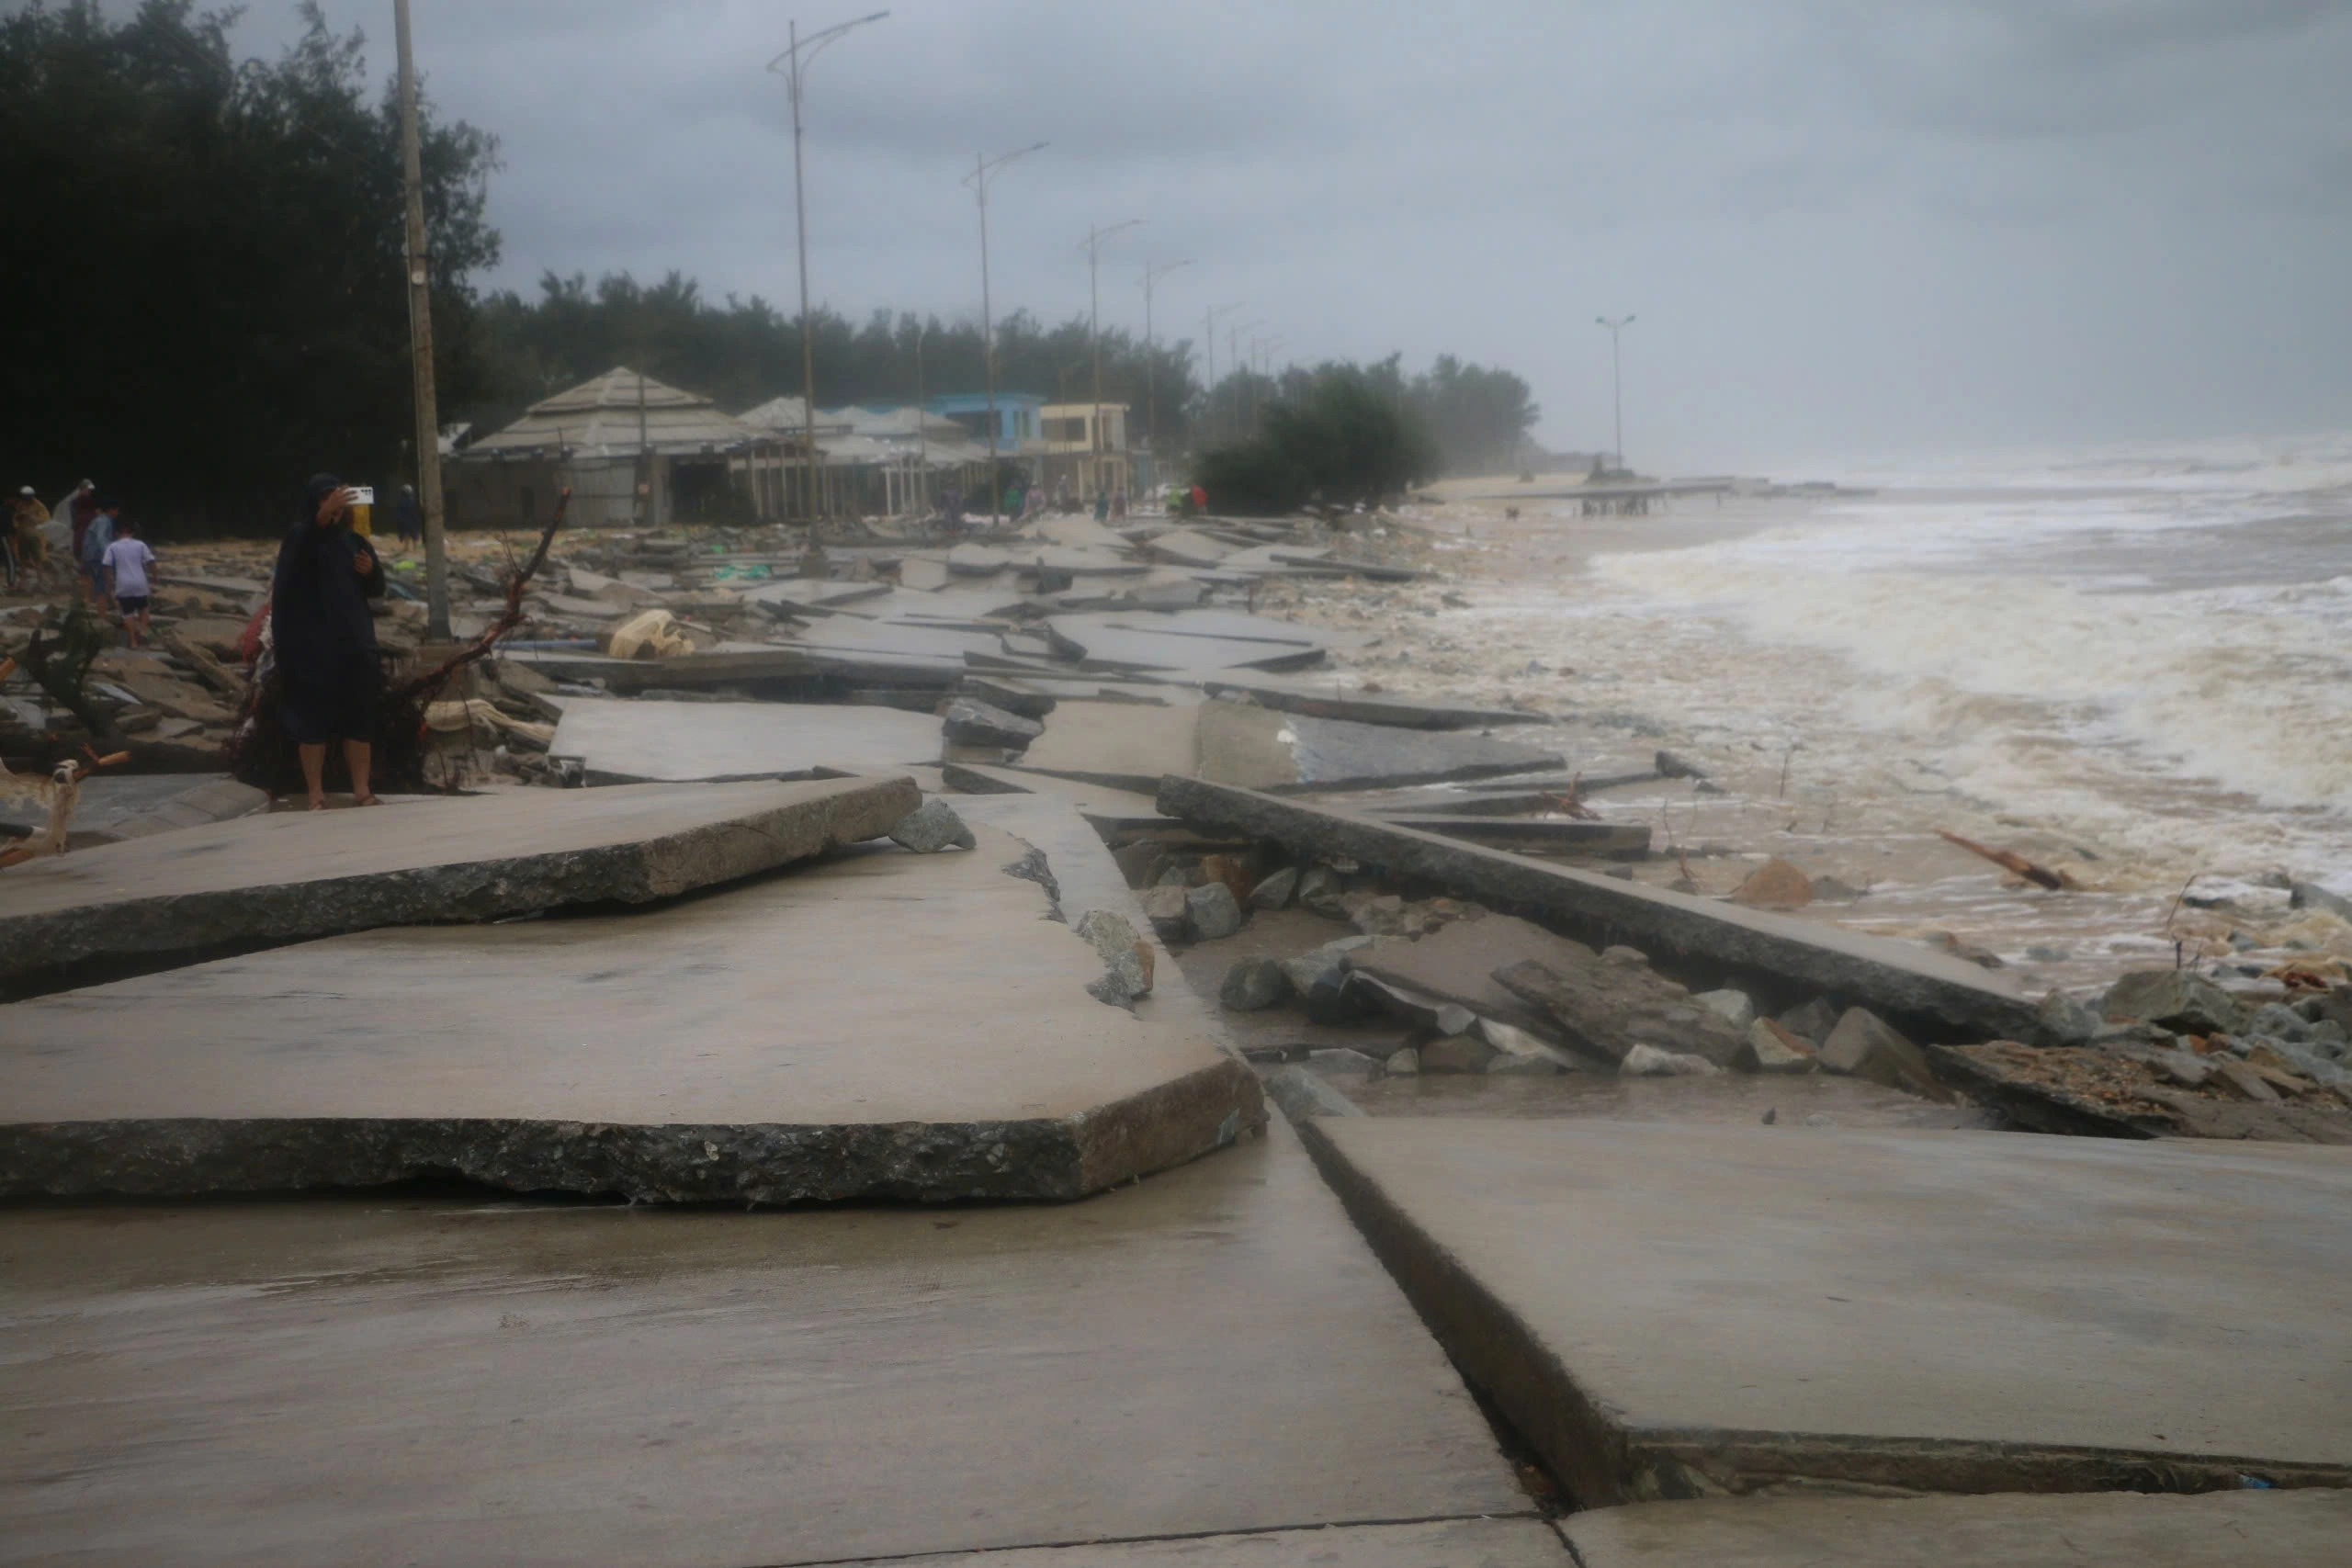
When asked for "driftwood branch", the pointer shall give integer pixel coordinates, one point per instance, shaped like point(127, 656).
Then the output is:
point(421, 687)
point(2007, 859)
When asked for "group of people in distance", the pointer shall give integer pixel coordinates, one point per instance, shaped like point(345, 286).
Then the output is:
point(322, 632)
point(111, 564)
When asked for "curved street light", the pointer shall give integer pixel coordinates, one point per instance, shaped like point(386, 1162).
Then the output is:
point(1616, 377)
point(984, 169)
point(1151, 275)
point(792, 65)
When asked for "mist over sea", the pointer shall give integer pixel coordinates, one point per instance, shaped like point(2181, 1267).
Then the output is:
point(2148, 645)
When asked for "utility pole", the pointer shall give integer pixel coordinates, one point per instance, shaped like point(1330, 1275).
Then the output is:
point(794, 66)
point(1150, 381)
point(1208, 337)
point(420, 348)
point(984, 168)
point(1093, 249)
point(923, 427)
point(1616, 377)
point(1233, 351)
point(1265, 348)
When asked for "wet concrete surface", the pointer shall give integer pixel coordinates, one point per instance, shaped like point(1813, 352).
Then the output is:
point(1443, 1543)
point(451, 1382)
point(630, 741)
point(2309, 1528)
point(1717, 1309)
point(755, 1043)
point(284, 877)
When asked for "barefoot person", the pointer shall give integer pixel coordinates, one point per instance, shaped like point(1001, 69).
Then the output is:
point(128, 563)
point(326, 638)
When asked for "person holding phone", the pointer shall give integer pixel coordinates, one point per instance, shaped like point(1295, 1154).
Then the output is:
point(324, 635)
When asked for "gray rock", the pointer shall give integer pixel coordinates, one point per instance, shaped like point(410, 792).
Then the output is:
point(1139, 863)
point(2310, 1061)
point(1452, 1017)
point(931, 827)
point(2276, 1021)
point(1215, 911)
point(1276, 891)
point(1733, 1007)
point(1254, 984)
point(1632, 958)
point(1607, 1008)
point(2066, 1020)
point(1173, 874)
point(1672, 766)
point(2174, 999)
point(1125, 978)
point(1649, 1062)
point(1403, 1063)
point(1302, 1094)
point(970, 722)
point(1772, 1048)
point(2043, 954)
point(1319, 978)
point(1386, 914)
point(1319, 889)
point(1811, 1023)
point(1518, 1052)
point(2311, 896)
point(1171, 920)
point(1867, 1046)
point(1458, 1053)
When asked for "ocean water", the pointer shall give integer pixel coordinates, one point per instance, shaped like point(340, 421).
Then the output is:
point(2148, 647)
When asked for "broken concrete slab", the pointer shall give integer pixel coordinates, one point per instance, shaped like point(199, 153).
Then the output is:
point(1256, 748)
point(1125, 745)
point(1325, 700)
point(110, 809)
point(968, 721)
point(290, 876)
point(1955, 1311)
point(1470, 1543)
point(2121, 1093)
point(1457, 964)
point(593, 1386)
point(2305, 1528)
point(1535, 835)
point(795, 1086)
point(725, 666)
point(1135, 640)
point(629, 742)
point(1770, 953)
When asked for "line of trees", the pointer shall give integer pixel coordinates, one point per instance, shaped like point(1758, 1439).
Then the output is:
point(205, 294)
point(205, 284)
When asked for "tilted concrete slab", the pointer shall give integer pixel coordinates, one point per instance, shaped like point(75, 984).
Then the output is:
point(1214, 1350)
point(289, 876)
point(884, 1024)
point(108, 809)
point(1324, 700)
point(729, 664)
point(1125, 746)
point(1934, 993)
point(2310, 1528)
point(1258, 747)
point(1533, 835)
point(1667, 1311)
point(631, 742)
point(1137, 640)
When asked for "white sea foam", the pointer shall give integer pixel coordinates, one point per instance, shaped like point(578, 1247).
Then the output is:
point(2154, 645)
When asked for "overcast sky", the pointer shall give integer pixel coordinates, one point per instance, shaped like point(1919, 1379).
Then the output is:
point(1847, 226)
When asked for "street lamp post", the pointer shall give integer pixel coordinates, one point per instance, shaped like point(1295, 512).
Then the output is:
point(1208, 337)
point(1093, 248)
point(1152, 274)
point(984, 168)
point(792, 65)
point(420, 338)
point(1616, 377)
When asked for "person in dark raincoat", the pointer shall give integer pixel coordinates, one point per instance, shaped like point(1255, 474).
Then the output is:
point(324, 637)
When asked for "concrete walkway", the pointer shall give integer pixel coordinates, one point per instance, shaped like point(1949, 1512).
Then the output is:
point(1671, 1310)
point(457, 1383)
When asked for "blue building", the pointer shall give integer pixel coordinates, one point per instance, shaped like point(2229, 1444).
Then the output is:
point(1016, 416)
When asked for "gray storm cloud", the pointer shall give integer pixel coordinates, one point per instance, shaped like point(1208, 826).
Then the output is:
point(1847, 227)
